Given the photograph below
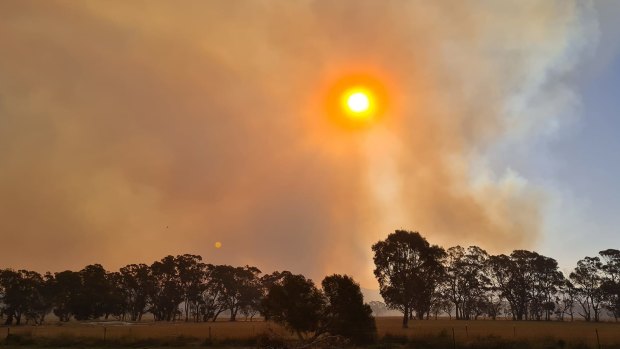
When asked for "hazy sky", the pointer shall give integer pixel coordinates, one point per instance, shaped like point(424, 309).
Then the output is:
point(130, 130)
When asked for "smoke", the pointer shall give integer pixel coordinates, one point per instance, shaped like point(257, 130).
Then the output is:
point(133, 130)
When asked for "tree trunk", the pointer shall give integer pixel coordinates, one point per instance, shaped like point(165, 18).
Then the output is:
point(406, 315)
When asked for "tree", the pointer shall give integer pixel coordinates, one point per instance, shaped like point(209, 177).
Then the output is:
point(237, 287)
point(546, 281)
point(66, 287)
point(136, 284)
point(114, 297)
point(466, 281)
point(211, 303)
point(611, 281)
point(408, 269)
point(378, 308)
point(565, 299)
point(588, 279)
point(24, 296)
point(190, 271)
point(297, 304)
point(166, 294)
point(527, 281)
point(92, 297)
point(346, 313)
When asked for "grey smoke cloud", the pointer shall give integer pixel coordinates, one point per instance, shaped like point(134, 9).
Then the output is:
point(132, 130)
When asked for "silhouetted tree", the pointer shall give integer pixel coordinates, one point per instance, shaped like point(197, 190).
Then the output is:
point(66, 288)
point(346, 314)
point(23, 296)
point(611, 281)
point(236, 287)
point(588, 279)
point(565, 300)
point(166, 294)
point(93, 293)
point(211, 302)
point(519, 278)
point(546, 281)
point(136, 283)
point(191, 272)
point(408, 269)
point(297, 304)
point(466, 280)
point(115, 300)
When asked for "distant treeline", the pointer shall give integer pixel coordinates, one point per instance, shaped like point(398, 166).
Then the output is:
point(419, 279)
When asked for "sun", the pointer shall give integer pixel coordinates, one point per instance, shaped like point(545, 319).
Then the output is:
point(358, 103)
point(218, 244)
point(355, 101)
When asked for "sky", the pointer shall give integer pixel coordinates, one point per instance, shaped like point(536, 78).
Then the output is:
point(134, 130)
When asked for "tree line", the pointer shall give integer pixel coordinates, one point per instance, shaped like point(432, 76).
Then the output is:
point(420, 280)
point(184, 288)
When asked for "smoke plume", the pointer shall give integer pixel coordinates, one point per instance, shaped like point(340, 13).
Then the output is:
point(133, 130)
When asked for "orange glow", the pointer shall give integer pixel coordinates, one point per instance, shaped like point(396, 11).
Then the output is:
point(356, 101)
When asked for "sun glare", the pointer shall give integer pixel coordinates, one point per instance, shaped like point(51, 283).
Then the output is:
point(358, 103)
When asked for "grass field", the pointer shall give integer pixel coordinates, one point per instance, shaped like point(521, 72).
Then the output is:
point(180, 333)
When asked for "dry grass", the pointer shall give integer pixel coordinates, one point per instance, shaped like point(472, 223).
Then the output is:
point(219, 330)
point(187, 333)
point(609, 332)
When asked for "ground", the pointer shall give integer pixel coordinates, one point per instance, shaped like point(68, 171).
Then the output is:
point(182, 334)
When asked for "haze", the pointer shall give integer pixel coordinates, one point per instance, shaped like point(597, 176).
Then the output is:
point(130, 130)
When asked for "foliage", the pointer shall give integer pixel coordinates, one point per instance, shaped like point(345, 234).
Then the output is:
point(346, 313)
point(296, 303)
point(409, 271)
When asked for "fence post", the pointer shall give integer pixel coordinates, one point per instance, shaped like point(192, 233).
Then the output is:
point(466, 331)
point(598, 340)
point(8, 332)
point(105, 330)
point(514, 331)
point(453, 339)
point(209, 333)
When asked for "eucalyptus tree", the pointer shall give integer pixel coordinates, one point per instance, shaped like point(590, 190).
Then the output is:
point(190, 271)
point(24, 296)
point(136, 284)
point(345, 312)
point(466, 281)
point(588, 278)
point(166, 295)
point(611, 281)
point(511, 280)
point(546, 279)
point(565, 299)
point(296, 303)
point(237, 287)
point(66, 288)
point(409, 271)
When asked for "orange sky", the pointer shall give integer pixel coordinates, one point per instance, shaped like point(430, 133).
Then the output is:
point(133, 130)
